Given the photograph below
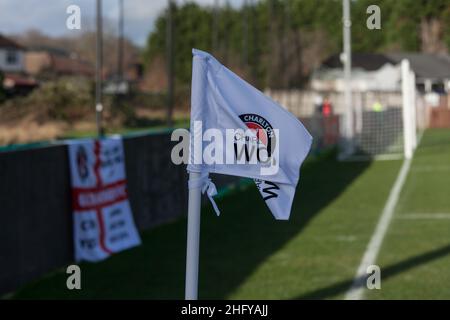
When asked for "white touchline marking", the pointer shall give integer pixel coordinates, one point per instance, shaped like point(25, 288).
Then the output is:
point(424, 216)
point(356, 291)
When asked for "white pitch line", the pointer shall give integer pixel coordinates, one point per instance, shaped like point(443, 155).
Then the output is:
point(356, 291)
point(424, 216)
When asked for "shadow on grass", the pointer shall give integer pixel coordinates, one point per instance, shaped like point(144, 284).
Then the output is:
point(386, 273)
point(237, 243)
point(232, 246)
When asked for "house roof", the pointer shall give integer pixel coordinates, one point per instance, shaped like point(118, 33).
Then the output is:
point(49, 49)
point(425, 65)
point(8, 43)
point(366, 61)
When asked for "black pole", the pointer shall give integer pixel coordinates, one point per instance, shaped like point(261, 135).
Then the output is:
point(283, 40)
point(255, 55)
point(170, 63)
point(227, 12)
point(215, 27)
point(120, 44)
point(272, 46)
point(245, 36)
point(98, 70)
point(227, 26)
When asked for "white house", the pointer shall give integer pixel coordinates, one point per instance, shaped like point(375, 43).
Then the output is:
point(381, 72)
point(11, 55)
point(386, 78)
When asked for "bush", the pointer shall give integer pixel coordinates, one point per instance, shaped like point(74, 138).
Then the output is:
point(67, 99)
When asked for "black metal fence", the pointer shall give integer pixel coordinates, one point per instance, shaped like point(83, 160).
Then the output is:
point(35, 202)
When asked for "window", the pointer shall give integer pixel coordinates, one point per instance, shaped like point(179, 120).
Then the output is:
point(11, 57)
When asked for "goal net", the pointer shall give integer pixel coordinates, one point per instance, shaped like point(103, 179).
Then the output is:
point(385, 124)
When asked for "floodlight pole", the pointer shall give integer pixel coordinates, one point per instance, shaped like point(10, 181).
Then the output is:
point(215, 27)
point(120, 44)
point(170, 63)
point(348, 124)
point(98, 70)
point(246, 17)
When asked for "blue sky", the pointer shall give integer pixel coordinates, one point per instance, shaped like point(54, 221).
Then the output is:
point(49, 16)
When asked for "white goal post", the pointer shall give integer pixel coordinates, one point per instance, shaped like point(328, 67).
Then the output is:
point(386, 123)
point(409, 109)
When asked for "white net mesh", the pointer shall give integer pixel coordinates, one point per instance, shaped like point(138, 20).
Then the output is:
point(378, 125)
point(378, 119)
point(381, 133)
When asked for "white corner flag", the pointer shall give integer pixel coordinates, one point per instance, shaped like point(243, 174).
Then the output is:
point(237, 130)
point(222, 101)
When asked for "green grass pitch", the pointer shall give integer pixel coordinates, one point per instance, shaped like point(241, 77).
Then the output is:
point(246, 254)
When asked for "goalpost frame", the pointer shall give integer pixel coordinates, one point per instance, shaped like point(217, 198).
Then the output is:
point(408, 109)
point(377, 127)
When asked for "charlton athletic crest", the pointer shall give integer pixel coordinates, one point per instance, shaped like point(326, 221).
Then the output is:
point(262, 128)
point(265, 135)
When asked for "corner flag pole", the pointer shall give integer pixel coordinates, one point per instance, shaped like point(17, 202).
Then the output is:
point(193, 238)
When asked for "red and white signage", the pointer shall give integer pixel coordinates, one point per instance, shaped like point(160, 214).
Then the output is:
point(103, 221)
